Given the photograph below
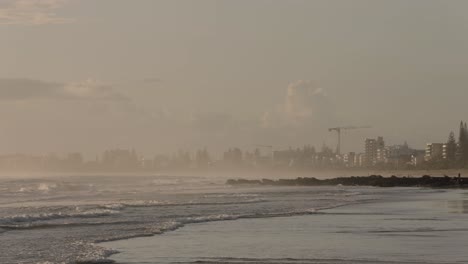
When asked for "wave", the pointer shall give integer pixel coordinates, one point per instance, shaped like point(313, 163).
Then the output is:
point(60, 225)
point(94, 254)
point(419, 230)
point(160, 182)
point(56, 215)
point(158, 229)
point(41, 187)
point(155, 203)
point(352, 194)
point(405, 231)
point(212, 218)
point(38, 220)
point(416, 219)
point(231, 195)
point(30, 221)
point(179, 223)
point(45, 188)
point(227, 260)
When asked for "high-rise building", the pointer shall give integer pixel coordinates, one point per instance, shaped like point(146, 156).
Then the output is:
point(380, 143)
point(374, 151)
point(398, 154)
point(434, 151)
point(370, 152)
point(382, 155)
point(349, 159)
point(449, 151)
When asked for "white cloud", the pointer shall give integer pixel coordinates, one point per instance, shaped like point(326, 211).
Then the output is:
point(91, 89)
point(302, 117)
point(31, 12)
point(305, 100)
point(305, 104)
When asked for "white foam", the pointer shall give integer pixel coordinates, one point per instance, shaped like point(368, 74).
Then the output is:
point(211, 218)
point(44, 187)
point(55, 215)
point(151, 203)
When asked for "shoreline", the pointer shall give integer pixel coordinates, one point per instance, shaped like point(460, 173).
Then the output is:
point(107, 245)
point(177, 226)
point(139, 250)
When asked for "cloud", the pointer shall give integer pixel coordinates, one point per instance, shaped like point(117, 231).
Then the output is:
point(305, 100)
point(31, 12)
point(91, 89)
point(20, 89)
point(302, 117)
point(304, 104)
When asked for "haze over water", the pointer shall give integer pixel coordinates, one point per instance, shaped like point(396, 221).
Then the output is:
point(123, 120)
point(59, 219)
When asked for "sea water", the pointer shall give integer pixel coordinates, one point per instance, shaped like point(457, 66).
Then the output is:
point(423, 226)
point(74, 219)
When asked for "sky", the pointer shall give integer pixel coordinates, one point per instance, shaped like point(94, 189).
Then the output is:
point(158, 76)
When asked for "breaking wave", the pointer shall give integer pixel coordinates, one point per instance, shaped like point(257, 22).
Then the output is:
point(134, 208)
point(154, 203)
point(57, 215)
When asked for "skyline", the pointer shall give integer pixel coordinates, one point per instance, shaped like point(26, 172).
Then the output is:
point(452, 151)
point(168, 75)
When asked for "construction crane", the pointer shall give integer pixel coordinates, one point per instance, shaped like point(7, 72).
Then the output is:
point(338, 131)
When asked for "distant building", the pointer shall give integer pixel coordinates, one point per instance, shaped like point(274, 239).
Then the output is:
point(370, 152)
point(418, 157)
point(382, 155)
point(399, 155)
point(449, 151)
point(380, 143)
point(374, 150)
point(284, 158)
point(349, 159)
point(233, 157)
point(120, 159)
point(434, 151)
point(360, 160)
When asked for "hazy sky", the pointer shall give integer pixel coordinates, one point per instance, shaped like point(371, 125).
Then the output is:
point(89, 75)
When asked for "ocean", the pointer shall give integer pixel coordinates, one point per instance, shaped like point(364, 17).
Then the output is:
point(181, 219)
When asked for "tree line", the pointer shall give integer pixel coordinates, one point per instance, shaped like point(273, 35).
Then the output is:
point(456, 153)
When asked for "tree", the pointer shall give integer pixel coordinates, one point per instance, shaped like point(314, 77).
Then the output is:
point(451, 147)
point(462, 148)
point(465, 145)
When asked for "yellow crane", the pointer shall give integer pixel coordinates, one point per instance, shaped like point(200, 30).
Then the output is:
point(338, 131)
